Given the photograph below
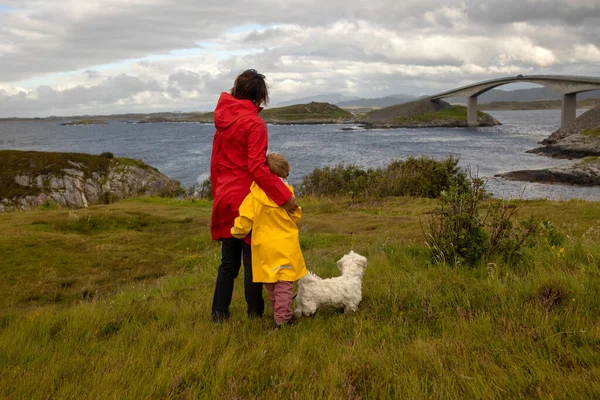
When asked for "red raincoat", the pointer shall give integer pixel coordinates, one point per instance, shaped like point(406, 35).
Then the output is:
point(239, 158)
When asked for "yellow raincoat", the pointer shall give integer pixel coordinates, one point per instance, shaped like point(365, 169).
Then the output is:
point(276, 254)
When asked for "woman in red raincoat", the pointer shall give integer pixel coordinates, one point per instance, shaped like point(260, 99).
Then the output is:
point(238, 159)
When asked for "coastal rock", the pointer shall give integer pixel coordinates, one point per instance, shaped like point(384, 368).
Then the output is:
point(584, 173)
point(94, 182)
point(586, 121)
point(579, 139)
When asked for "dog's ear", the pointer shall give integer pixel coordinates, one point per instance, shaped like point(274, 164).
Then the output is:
point(340, 265)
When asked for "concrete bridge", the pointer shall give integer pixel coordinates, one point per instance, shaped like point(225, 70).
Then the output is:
point(568, 86)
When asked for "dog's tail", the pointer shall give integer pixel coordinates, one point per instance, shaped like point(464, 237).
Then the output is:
point(310, 277)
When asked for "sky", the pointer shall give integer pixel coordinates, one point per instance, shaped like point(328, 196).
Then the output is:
point(74, 57)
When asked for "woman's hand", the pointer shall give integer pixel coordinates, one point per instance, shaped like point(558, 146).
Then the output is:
point(290, 205)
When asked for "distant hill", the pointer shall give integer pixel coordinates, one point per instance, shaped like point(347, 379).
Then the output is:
point(534, 94)
point(332, 98)
point(313, 112)
point(535, 105)
point(378, 101)
point(341, 100)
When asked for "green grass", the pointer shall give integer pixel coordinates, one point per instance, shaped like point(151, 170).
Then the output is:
point(590, 159)
point(592, 132)
point(114, 301)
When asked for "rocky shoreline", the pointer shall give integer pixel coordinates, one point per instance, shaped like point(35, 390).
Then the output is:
point(580, 141)
point(583, 173)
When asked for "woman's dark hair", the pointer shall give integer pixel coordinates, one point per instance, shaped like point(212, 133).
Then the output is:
point(250, 85)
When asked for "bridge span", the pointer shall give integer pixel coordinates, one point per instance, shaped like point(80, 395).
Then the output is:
point(568, 86)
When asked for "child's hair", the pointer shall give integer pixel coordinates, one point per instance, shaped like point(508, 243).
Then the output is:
point(278, 165)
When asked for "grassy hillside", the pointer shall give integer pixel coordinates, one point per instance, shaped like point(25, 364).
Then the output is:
point(306, 112)
point(114, 301)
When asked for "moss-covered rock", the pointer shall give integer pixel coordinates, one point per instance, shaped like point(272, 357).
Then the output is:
point(29, 179)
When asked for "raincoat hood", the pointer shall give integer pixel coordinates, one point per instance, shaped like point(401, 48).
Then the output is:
point(261, 197)
point(229, 109)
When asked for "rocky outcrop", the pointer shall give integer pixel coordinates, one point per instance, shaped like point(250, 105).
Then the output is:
point(424, 113)
point(579, 139)
point(585, 173)
point(79, 183)
point(588, 120)
point(571, 147)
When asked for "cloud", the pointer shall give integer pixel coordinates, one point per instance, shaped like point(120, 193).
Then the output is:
point(76, 55)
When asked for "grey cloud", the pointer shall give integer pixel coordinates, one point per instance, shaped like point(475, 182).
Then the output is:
point(92, 74)
point(266, 35)
point(107, 92)
point(508, 11)
point(185, 79)
point(53, 39)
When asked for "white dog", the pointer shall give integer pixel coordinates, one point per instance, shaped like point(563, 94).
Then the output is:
point(345, 290)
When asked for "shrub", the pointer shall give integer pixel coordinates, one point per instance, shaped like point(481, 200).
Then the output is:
point(107, 154)
point(204, 191)
point(422, 177)
point(456, 233)
point(340, 180)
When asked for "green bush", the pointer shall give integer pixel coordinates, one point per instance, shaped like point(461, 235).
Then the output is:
point(415, 176)
point(107, 154)
point(457, 232)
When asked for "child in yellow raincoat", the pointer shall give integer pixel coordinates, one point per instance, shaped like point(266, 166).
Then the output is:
point(277, 260)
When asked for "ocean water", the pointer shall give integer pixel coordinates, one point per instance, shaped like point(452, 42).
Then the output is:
point(182, 150)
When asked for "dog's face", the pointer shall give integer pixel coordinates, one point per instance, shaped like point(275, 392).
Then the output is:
point(352, 263)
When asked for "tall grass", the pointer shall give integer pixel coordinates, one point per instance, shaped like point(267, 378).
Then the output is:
point(529, 329)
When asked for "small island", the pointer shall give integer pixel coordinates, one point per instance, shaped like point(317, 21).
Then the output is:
point(85, 122)
point(311, 113)
point(424, 113)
